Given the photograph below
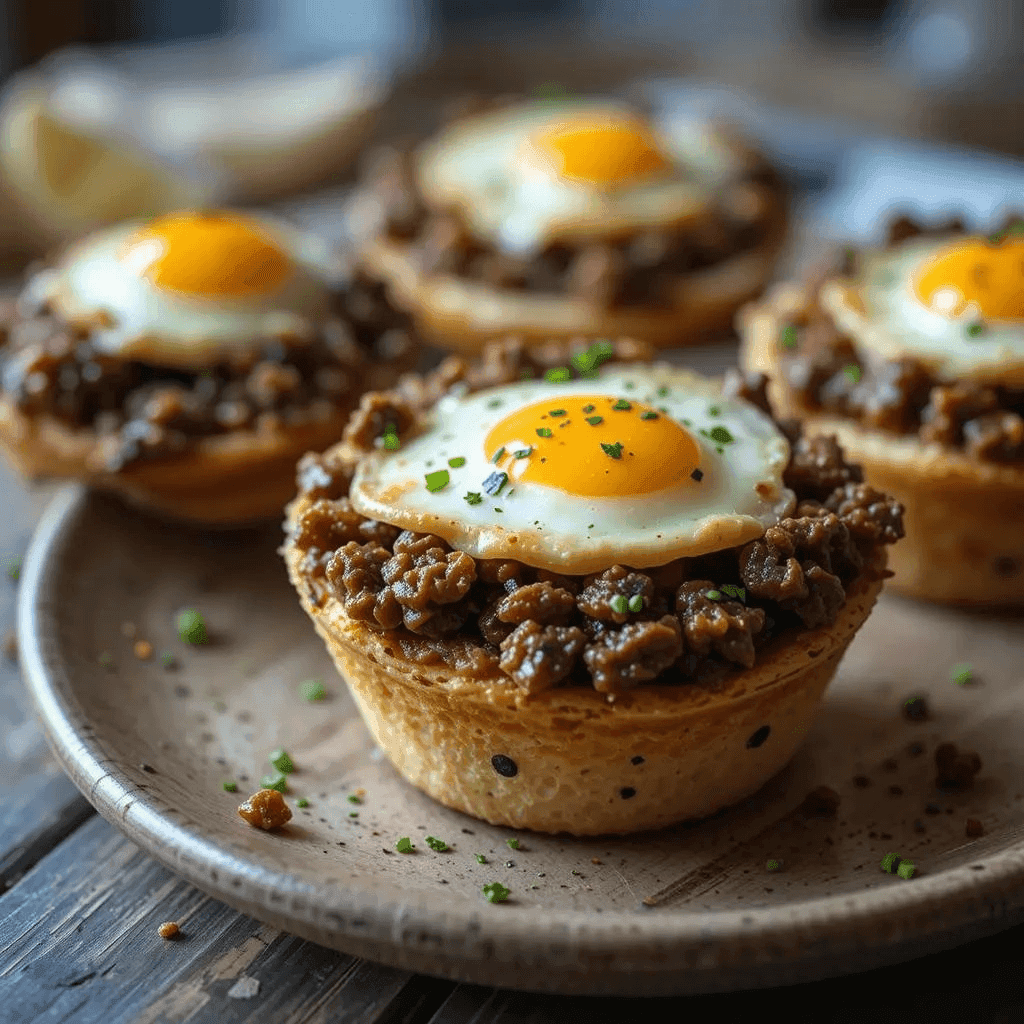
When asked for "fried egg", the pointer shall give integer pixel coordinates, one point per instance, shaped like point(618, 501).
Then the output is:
point(634, 465)
point(535, 173)
point(189, 289)
point(955, 304)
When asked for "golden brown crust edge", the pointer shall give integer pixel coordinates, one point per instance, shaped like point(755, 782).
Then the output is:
point(573, 748)
point(226, 480)
point(461, 316)
point(964, 544)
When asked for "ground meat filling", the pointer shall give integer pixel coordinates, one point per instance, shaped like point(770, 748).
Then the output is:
point(141, 411)
point(640, 270)
point(901, 397)
point(693, 621)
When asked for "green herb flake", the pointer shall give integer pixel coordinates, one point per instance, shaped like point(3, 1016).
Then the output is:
point(975, 329)
point(557, 412)
point(498, 455)
point(544, 432)
point(191, 628)
point(167, 659)
point(629, 385)
point(636, 603)
point(773, 865)
point(889, 862)
point(437, 480)
point(906, 869)
point(404, 845)
point(713, 410)
point(494, 403)
point(14, 569)
point(648, 415)
point(495, 892)
point(229, 786)
point(473, 497)
point(391, 442)
point(312, 689)
point(457, 463)
point(523, 453)
point(106, 659)
point(613, 451)
point(558, 375)
point(437, 845)
point(595, 420)
point(731, 590)
point(662, 391)
point(513, 844)
point(281, 761)
point(788, 337)
point(302, 802)
point(481, 859)
point(719, 435)
point(619, 604)
point(713, 595)
point(353, 814)
point(853, 371)
point(354, 799)
point(961, 674)
point(588, 362)
point(622, 405)
point(278, 781)
point(589, 408)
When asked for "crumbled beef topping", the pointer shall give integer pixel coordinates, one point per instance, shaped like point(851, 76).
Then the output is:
point(695, 620)
point(143, 411)
point(900, 396)
point(640, 269)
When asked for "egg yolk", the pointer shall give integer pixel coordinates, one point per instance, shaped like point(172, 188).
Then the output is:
point(991, 276)
point(604, 152)
point(594, 446)
point(207, 254)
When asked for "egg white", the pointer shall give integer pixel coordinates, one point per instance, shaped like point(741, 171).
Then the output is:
point(884, 317)
point(478, 167)
point(740, 495)
point(169, 328)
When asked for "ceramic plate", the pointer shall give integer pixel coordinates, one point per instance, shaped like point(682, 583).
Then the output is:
point(693, 908)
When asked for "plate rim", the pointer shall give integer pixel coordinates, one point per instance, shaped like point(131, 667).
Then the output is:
point(648, 951)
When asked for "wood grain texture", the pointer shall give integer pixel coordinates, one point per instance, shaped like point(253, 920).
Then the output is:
point(79, 942)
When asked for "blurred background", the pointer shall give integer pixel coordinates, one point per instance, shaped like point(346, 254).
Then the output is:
point(254, 101)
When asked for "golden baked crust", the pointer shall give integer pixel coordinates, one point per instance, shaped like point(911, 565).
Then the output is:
point(574, 748)
point(461, 315)
point(964, 543)
point(225, 479)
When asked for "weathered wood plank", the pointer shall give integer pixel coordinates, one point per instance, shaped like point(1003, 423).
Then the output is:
point(78, 941)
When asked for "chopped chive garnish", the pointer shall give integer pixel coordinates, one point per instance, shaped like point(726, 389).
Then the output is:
point(281, 761)
point(588, 362)
point(544, 432)
point(713, 595)
point(648, 415)
point(558, 374)
point(557, 412)
point(494, 483)
point(853, 371)
point(523, 453)
point(404, 845)
point(498, 455)
point(481, 859)
point(390, 440)
point(961, 674)
point(636, 603)
point(494, 403)
point(353, 814)
point(662, 391)
point(312, 689)
point(906, 869)
point(733, 591)
point(495, 892)
point(473, 497)
point(612, 450)
point(623, 405)
point(14, 569)
point(191, 628)
point(437, 480)
point(629, 385)
point(619, 604)
point(513, 844)
point(773, 865)
point(588, 408)
point(719, 435)
point(437, 845)
point(788, 337)
point(278, 781)
point(713, 410)
point(973, 330)
point(457, 463)
point(302, 802)
point(353, 799)
point(595, 420)
point(496, 509)
point(229, 786)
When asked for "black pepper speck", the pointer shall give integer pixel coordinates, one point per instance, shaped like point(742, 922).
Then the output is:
point(636, 760)
point(626, 792)
point(759, 737)
point(505, 766)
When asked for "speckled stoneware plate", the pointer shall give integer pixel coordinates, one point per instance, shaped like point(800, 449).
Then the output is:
point(150, 746)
